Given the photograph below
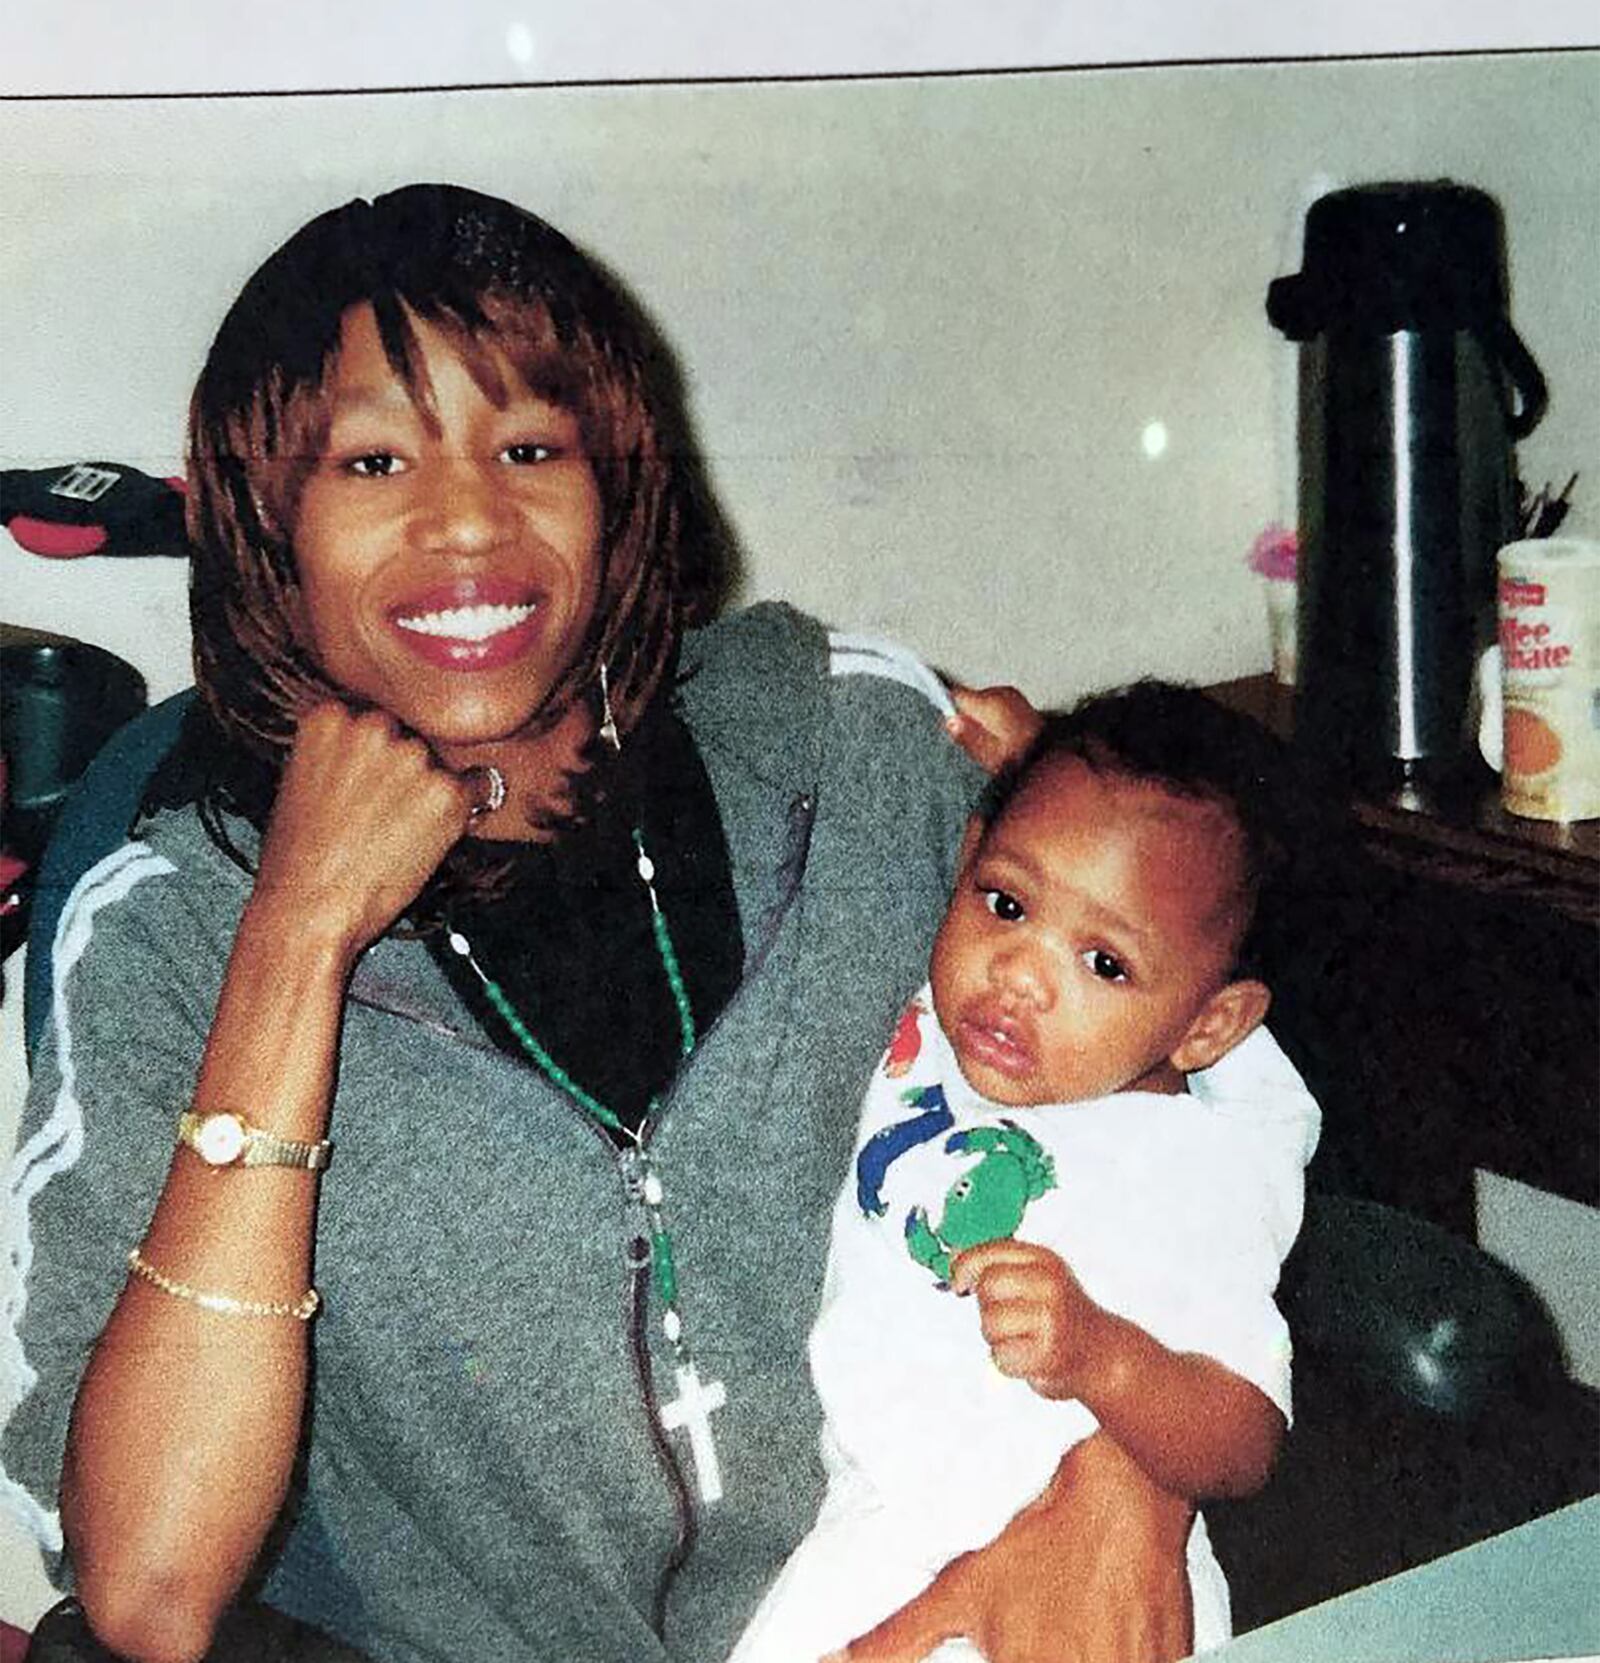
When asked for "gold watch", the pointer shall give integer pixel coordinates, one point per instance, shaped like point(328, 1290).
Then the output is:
point(230, 1140)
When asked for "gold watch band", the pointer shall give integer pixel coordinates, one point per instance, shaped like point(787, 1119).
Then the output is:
point(226, 1139)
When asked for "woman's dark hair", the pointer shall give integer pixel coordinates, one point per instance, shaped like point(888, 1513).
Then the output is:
point(505, 288)
point(1175, 737)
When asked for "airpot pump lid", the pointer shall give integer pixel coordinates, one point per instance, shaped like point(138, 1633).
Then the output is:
point(1388, 257)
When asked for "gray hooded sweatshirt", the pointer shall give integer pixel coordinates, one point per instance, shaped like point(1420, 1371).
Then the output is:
point(486, 1475)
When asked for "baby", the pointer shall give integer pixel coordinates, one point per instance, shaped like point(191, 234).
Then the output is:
point(1079, 1124)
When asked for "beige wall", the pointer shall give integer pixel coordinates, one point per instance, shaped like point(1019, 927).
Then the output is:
point(927, 322)
point(928, 325)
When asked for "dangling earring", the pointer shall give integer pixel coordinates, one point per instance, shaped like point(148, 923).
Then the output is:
point(608, 722)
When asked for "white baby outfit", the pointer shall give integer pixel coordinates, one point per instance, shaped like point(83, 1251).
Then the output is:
point(1173, 1211)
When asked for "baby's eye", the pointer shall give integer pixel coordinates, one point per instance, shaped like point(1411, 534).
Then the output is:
point(1107, 966)
point(1002, 905)
point(528, 451)
point(373, 464)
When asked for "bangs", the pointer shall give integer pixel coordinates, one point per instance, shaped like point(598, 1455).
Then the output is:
point(497, 333)
point(284, 431)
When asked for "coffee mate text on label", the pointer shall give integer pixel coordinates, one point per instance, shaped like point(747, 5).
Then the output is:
point(1549, 630)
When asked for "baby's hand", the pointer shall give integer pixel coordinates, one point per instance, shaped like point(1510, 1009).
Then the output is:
point(1040, 1324)
point(993, 725)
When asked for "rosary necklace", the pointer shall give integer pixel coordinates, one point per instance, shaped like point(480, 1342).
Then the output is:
point(691, 1410)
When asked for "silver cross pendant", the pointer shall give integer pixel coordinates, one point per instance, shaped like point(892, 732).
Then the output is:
point(691, 1411)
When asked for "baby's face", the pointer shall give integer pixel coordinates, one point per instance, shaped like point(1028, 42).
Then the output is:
point(1095, 921)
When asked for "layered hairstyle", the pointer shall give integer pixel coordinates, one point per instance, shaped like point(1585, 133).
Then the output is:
point(506, 289)
point(1181, 741)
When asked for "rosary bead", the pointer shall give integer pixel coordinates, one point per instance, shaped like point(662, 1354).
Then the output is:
point(666, 1272)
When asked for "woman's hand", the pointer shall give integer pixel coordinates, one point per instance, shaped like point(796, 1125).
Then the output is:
point(1092, 1572)
point(993, 725)
point(364, 815)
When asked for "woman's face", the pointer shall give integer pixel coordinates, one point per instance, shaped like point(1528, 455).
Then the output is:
point(449, 561)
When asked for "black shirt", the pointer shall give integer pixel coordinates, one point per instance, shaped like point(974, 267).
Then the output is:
point(571, 942)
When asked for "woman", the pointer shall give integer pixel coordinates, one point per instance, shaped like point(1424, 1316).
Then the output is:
point(576, 929)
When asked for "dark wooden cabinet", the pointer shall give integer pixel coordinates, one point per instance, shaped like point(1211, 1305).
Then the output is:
point(1444, 998)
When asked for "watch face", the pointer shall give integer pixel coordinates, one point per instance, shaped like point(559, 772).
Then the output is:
point(220, 1139)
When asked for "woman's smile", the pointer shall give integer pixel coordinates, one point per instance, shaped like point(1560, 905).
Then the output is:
point(469, 623)
point(447, 540)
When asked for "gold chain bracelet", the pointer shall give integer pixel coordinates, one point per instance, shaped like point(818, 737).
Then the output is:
point(224, 1304)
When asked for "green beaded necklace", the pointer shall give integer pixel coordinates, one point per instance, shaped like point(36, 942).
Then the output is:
point(696, 1399)
point(547, 1065)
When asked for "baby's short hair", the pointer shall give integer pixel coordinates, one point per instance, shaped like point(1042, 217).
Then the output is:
point(1175, 737)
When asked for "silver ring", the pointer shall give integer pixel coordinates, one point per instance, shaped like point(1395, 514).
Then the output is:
point(494, 791)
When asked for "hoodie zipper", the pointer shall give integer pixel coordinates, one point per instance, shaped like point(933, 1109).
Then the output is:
point(638, 1319)
point(631, 1160)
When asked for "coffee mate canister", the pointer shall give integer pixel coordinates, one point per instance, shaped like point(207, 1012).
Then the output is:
point(1549, 636)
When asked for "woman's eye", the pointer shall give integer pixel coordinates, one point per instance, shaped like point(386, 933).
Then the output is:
point(1003, 905)
point(527, 451)
point(373, 464)
point(1106, 966)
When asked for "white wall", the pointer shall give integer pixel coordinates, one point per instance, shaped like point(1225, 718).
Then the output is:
point(929, 323)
